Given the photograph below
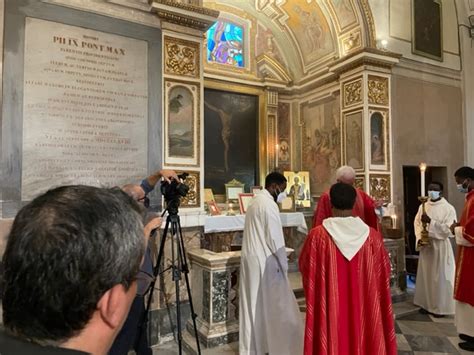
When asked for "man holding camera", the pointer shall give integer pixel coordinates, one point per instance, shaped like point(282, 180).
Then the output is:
point(133, 333)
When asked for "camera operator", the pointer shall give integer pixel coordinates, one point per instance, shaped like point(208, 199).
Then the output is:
point(133, 333)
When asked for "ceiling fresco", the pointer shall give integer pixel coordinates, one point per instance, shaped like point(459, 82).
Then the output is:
point(303, 36)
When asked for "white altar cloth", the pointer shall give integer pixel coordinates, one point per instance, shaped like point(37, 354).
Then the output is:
point(217, 224)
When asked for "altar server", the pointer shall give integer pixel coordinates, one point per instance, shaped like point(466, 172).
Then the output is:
point(270, 320)
point(435, 276)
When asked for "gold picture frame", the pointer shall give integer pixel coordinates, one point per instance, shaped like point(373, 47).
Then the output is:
point(232, 190)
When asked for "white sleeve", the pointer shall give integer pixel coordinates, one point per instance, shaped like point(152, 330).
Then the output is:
point(458, 232)
point(442, 229)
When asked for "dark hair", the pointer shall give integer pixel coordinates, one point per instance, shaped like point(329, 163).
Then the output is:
point(465, 172)
point(343, 196)
point(441, 186)
point(274, 178)
point(66, 248)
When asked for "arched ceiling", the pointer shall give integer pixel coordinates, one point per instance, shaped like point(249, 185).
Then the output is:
point(303, 36)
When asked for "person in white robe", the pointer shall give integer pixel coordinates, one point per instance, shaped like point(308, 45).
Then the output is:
point(270, 320)
point(434, 291)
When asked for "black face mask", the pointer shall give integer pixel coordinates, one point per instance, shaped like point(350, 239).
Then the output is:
point(275, 193)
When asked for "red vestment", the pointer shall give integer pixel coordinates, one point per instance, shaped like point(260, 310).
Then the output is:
point(463, 286)
point(364, 208)
point(348, 303)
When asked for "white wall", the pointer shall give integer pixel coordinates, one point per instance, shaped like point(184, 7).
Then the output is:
point(393, 23)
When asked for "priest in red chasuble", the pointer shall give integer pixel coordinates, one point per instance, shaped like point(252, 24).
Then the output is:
point(346, 274)
point(364, 206)
point(464, 281)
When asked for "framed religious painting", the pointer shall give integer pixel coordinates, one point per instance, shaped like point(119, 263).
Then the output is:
point(208, 195)
point(213, 208)
point(379, 140)
point(354, 149)
point(181, 124)
point(298, 186)
point(321, 142)
point(230, 139)
point(244, 201)
point(427, 29)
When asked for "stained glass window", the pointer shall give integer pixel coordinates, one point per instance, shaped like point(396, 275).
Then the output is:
point(225, 44)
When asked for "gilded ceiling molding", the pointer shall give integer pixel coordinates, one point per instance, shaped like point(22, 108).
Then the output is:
point(269, 67)
point(369, 22)
point(365, 56)
point(187, 15)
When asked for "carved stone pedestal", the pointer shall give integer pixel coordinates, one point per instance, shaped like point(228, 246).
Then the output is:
point(215, 297)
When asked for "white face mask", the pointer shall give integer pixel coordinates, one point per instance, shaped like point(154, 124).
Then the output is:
point(281, 196)
point(434, 195)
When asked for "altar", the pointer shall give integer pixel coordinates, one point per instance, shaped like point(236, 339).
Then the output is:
point(224, 233)
point(215, 271)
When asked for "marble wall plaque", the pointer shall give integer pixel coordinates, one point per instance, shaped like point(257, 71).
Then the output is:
point(85, 107)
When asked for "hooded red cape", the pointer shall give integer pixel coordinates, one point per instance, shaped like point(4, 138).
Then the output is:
point(348, 303)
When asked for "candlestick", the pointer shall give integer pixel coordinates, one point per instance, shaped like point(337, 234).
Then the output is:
point(425, 240)
point(422, 171)
point(277, 150)
point(394, 221)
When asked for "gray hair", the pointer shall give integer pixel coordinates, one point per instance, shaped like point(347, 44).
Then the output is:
point(345, 172)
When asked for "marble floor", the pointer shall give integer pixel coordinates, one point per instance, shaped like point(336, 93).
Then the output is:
point(417, 333)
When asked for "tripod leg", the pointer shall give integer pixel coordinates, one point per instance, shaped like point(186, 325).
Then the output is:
point(177, 277)
point(182, 256)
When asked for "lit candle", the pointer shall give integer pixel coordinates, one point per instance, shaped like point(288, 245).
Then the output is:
point(277, 149)
point(394, 221)
point(422, 171)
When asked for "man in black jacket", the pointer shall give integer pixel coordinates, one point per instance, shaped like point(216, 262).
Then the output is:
point(70, 269)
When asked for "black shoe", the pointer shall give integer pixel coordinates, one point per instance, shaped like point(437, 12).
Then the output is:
point(466, 337)
point(467, 346)
point(438, 316)
point(423, 311)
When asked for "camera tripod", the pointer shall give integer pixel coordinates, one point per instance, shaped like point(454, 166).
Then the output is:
point(179, 266)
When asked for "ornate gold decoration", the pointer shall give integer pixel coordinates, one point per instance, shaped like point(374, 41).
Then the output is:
point(378, 90)
point(360, 183)
point(352, 42)
point(380, 187)
point(188, 7)
point(192, 199)
point(353, 93)
point(369, 21)
point(182, 57)
point(187, 15)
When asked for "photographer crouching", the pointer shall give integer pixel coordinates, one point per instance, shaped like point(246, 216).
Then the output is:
point(133, 334)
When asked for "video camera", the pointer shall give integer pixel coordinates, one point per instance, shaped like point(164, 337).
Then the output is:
point(173, 191)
